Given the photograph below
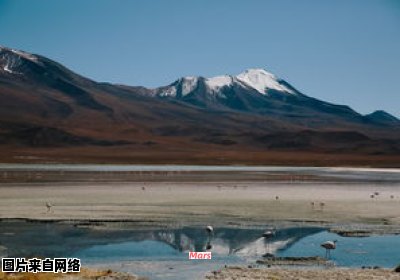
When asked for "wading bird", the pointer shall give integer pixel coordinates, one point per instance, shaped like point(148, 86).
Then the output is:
point(210, 233)
point(48, 206)
point(209, 230)
point(267, 236)
point(329, 245)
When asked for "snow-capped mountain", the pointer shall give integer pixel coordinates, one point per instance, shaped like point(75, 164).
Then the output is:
point(253, 80)
point(16, 64)
point(254, 90)
point(42, 103)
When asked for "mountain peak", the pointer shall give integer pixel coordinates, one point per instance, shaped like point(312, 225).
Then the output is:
point(262, 80)
point(11, 59)
point(189, 84)
point(19, 53)
point(257, 71)
point(381, 116)
point(218, 82)
point(253, 79)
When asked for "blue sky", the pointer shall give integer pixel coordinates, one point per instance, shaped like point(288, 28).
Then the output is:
point(343, 51)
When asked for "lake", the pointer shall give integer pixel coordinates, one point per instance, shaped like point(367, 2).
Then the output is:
point(163, 253)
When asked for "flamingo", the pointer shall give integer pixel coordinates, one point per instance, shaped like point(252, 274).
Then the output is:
point(329, 245)
point(210, 232)
point(268, 235)
point(48, 206)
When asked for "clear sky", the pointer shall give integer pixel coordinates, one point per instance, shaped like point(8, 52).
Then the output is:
point(343, 51)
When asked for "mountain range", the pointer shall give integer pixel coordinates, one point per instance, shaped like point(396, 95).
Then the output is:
point(49, 113)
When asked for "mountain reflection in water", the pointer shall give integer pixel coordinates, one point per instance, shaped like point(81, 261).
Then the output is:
point(106, 243)
point(63, 240)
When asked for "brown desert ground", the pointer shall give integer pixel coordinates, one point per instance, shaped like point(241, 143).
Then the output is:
point(194, 153)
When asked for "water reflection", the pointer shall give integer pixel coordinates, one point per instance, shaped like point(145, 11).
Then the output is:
point(57, 239)
point(105, 244)
point(383, 251)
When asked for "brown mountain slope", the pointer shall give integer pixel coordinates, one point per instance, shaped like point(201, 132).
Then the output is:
point(48, 113)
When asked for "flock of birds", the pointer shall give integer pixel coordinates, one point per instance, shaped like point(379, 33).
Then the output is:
point(375, 195)
point(267, 235)
point(313, 204)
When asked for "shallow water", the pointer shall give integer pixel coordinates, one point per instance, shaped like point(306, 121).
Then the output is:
point(349, 173)
point(163, 253)
point(383, 251)
point(172, 167)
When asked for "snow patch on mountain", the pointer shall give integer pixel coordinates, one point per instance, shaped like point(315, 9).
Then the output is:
point(216, 83)
point(169, 91)
point(11, 59)
point(6, 69)
point(189, 84)
point(261, 80)
point(25, 55)
point(184, 85)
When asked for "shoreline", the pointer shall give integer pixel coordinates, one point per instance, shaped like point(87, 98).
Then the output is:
point(242, 203)
point(344, 229)
point(173, 201)
point(81, 173)
point(218, 156)
point(230, 273)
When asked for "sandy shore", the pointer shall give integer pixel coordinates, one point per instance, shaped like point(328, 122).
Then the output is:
point(229, 274)
point(303, 274)
point(219, 203)
point(85, 274)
